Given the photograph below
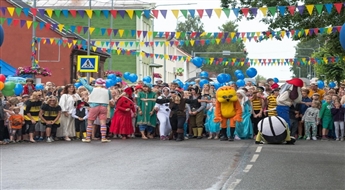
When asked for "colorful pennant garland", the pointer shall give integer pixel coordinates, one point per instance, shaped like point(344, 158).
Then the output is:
point(213, 37)
point(131, 13)
point(210, 60)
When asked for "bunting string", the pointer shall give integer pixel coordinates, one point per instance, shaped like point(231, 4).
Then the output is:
point(207, 60)
point(131, 13)
point(210, 37)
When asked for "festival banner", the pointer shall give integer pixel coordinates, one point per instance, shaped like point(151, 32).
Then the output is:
point(208, 37)
point(311, 9)
point(80, 44)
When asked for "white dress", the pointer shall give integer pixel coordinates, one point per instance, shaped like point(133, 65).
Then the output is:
point(67, 127)
point(163, 116)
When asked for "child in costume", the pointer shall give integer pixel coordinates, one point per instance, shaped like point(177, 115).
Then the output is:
point(210, 125)
point(310, 120)
point(80, 114)
point(16, 122)
point(326, 116)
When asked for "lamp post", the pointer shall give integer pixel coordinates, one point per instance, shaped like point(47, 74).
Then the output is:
point(33, 43)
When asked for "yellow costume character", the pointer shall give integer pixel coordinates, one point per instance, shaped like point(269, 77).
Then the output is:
point(227, 108)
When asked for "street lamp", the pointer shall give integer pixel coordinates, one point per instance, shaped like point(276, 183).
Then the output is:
point(299, 72)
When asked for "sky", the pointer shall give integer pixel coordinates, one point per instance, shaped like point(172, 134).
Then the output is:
point(271, 49)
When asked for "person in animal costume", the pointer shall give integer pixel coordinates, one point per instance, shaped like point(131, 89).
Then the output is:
point(273, 130)
point(289, 94)
point(228, 107)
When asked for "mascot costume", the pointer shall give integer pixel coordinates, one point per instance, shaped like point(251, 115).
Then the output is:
point(227, 107)
point(289, 94)
point(273, 130)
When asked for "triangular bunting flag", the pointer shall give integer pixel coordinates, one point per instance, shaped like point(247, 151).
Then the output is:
point(155, 13)
point(292, 10)
point(218, 12)
point(310, 9)
point(236, 11)
point(254, 11)
point(282, 10)
point(10, 10)
point(18, 11)
point(200, 12)
point(226, 12)
point(175, 13)
point(184, 13)
point(28, 23)
point(89, 13)
point(130, 13)
point(192, 13)
point(338, 6)
point(138, 13)
point(245, 11)
point(57, 12)
point(263, 10)
point(209, 12)
point(272, 10)
point(49, 12)
point(65, 13)
point(301, 9)
point(319, 8)
point(329, 7)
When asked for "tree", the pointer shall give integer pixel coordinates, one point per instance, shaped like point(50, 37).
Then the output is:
point(298, 21)
point(189, 26)
point(260, 78)
point(331, 71)
point(304, 49)
point(238, 48)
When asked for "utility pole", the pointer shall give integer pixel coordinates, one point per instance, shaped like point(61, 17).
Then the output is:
point(33, 44)
point(111, 39)
point(88, 42)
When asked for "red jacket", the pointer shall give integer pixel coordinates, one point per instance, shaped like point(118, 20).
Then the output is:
point(26, 89)
point(274, 86)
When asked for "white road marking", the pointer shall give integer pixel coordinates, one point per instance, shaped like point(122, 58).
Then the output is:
point(258, 149)
point(255, 156)
point(234, 184)
point(248, 167)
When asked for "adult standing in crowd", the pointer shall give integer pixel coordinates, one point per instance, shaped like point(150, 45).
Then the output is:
point(98, 100)
point(50, 116)
point(121, 123)
point(146, 118)
point(314, 89)
point(3, 116)
point(196, 112)
point(67, 101)
point(31, 112)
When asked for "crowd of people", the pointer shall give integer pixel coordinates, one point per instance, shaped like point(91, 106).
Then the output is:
point(161, 110)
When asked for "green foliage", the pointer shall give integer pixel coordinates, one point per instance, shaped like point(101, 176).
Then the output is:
point(191, 25)
point(260, 78)
point(302, 21)
point(237, 48)
point(330, 71)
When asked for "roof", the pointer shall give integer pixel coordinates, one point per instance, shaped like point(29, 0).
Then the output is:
point(46, 19)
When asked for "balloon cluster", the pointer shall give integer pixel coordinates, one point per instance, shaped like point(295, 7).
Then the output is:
point(180, 84)
point(112, 80)
point(130, 76)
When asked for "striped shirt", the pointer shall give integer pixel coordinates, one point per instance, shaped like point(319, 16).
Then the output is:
point(33, 108)
point(271, 104)
point(51, 113)
point(257, 104)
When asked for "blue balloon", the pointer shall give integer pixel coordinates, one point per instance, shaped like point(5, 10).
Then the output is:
point(332, 84)
point(217, 85)
point(240, 76)
point(197, 61)
point(204, 74)
point(109, 83)
point(320, 84)
point(147, 79)
point(192, 83)
point(18, 89)
point(111, 76)
point(276, 80)
point(342, 36)
point(118, 79)
point(133, 77)
point(77, 84)
point(126, 75)
point(185, 86)
point(251, 72)
point(227, 77)
point(221, 78)
point(2, 35)
point(180, 84)
point(203, 82)
point(39, 87)
point(240, 83)
point(237, 72)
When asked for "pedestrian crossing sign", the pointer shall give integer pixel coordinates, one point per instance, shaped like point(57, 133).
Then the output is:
point(87, 63)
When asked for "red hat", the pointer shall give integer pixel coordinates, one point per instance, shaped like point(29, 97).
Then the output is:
point(138, 87)
point(296, 82)
point(129, 91)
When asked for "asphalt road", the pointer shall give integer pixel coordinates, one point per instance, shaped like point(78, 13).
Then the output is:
point(121, 164)
point(191, 164)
